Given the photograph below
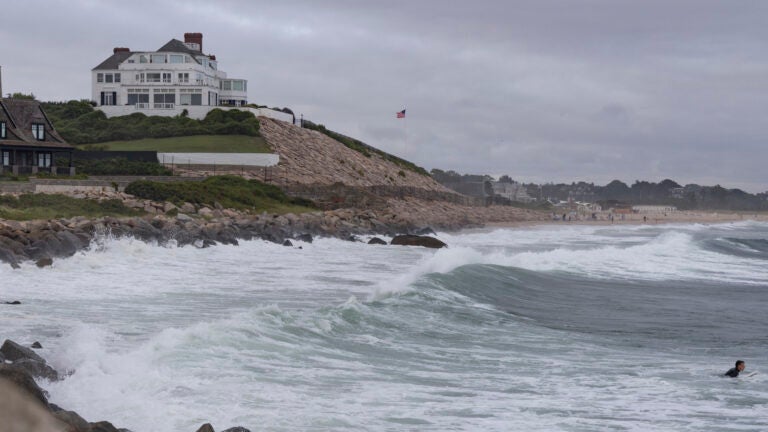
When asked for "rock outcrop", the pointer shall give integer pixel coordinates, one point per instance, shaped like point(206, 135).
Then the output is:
point(416, 240)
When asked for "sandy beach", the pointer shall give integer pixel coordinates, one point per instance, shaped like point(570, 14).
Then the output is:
point(603, 218)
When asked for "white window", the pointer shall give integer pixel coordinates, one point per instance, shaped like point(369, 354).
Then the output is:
point(166, 77)
point(38, 131)
point(177, 58)
point(157, 58)
point(3, 132)
point(153, 77)
point(143, 59)
point(226, 85)
point(109, 98)
point(6, 158)
point(117, 77)
point(184, 77)
point(237, 85)
point(108, 78)
point(44, 160)
point(99, 77)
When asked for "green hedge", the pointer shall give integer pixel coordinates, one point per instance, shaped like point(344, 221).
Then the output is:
point(79, 123)
point(120, 166)
point(229, 191)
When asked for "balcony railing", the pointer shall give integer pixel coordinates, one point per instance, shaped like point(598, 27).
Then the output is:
point(142, 106)
point(164, 106)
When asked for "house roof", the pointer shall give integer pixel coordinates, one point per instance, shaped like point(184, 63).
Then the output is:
point(20, 115)
point(174, 45)
point(114, 61)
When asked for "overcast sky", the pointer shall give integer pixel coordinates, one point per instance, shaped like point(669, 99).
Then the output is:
point(540, 90)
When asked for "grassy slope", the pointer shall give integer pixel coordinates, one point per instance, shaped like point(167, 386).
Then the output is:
point(230, 191)
point(193, 144)
point(53, 206)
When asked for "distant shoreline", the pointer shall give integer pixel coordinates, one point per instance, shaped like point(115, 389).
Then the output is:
point(675, 217)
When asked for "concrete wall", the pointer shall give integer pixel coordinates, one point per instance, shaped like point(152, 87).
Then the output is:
point(239, 159)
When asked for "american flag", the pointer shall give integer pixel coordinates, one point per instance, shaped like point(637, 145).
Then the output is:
point(401, 114)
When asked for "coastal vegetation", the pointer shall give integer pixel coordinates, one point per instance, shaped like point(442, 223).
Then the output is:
point(365, 149)
point(227, 191)
point(79, 123)
point(120, 166)
point(189, 144)
point(55, 206)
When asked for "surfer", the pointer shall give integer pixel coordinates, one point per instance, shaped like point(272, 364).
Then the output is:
point(734, 371)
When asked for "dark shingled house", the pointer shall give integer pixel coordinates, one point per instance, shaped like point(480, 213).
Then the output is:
point(28, 142)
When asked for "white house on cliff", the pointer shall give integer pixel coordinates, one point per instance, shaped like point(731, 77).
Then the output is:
point(165, 82)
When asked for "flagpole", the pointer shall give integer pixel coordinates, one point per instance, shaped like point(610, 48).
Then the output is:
point(405, 126)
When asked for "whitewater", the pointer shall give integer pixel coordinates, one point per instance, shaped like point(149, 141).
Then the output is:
point(548, 328)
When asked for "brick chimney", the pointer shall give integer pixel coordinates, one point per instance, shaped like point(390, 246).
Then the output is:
point(120, 49)
point(194, 38)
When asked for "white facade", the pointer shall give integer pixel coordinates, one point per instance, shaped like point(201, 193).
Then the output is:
point(175, 77)
point(511, 191)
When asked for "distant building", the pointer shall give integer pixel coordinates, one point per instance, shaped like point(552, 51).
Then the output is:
point(28, 142)
point(651, 209)
point(511, 191)
point(177, 76)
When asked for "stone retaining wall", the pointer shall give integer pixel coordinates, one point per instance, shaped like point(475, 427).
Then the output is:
point(92, 184)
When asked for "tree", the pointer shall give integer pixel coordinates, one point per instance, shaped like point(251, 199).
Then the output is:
point(30, 96)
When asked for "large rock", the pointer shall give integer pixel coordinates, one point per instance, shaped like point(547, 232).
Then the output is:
point(21, 412)
point(13, 351)
point(8, 257)
point(69, 243)
point(307, 238)
point(236, 429)
point(24, 381)
point(205, 428)
point(25, 359)
point(376, 241)
point(73, 420)
point(102, 426)
point(414, 240)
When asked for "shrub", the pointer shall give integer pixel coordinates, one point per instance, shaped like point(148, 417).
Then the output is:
point(120, 166)
point(230, 191)
point(79, 123)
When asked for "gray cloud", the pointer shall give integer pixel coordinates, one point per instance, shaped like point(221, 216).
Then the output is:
point(541, 90)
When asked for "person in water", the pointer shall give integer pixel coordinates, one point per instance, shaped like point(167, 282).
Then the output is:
point(734, 371)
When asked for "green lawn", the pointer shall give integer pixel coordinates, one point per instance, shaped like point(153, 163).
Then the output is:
point(190, 144)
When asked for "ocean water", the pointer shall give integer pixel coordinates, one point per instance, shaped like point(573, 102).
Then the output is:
point(552, 328)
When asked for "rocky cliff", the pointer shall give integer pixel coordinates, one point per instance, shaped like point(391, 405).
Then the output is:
point(309, 157)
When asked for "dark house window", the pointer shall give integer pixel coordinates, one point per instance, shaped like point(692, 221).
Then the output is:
point(5, 158)
point(3, 133)
point(99, 77)
point(38, 131)
point(108, 98)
